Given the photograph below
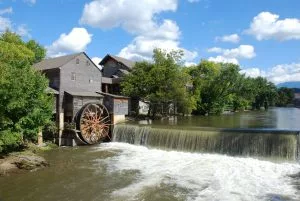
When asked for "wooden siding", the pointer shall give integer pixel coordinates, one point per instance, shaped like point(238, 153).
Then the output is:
point(116, 106)
point(88, 77)
point(110, 68)
point(79, 102)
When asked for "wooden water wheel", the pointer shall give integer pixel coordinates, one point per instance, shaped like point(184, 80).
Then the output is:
point(93, 122)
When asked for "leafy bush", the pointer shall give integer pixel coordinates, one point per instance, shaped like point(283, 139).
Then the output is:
point(25, 107)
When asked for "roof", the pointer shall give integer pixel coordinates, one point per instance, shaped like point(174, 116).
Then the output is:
point(51, 90)
point(112, 95)
point(56, 62)
point(107, 80)
point(121, 60)
point(83, 93)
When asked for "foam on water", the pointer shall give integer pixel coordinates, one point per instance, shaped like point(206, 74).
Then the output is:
point(202, 176)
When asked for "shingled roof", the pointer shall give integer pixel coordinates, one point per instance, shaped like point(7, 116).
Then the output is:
point(56, 62)
point(121, 60)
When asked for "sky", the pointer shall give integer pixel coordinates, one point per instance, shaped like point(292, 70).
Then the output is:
point(262, 36)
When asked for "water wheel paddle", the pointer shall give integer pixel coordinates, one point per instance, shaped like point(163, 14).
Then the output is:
point(93, 122)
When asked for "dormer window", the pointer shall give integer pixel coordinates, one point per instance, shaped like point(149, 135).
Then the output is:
point(73, 76)
point(77, 61)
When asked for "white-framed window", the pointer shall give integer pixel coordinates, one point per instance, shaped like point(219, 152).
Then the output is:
point(73, 76)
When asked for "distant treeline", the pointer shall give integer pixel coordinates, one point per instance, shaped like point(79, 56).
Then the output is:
point(206, 88)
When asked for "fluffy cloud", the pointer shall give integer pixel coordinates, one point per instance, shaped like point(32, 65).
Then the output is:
point(8, 10)
point(135, 16)
point(222, 59)
point(96, 61)
point(215, 50)
point(233, 38)
point(75, 41)
point(5, 23)
point(277, 74)
point(23, 30)
point(253, 72)
point(232, 55)
point(138, 17)
point(267, 25)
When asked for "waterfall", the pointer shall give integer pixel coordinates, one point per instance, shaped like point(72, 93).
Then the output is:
point(261, 143)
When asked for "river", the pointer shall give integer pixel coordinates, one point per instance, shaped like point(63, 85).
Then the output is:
point(120, 171)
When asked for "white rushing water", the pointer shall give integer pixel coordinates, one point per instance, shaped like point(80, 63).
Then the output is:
point(201, 176)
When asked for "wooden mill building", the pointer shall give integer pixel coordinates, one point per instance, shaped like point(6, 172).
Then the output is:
point(76, 79)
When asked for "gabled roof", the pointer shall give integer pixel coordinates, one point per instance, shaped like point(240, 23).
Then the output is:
point(56, 62)
point(121, 60)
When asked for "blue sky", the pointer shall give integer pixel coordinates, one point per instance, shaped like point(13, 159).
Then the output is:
point(262, 36)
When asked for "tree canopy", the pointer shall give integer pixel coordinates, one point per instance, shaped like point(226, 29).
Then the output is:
point(206, 88)
point(24, 105)
point(162, 82)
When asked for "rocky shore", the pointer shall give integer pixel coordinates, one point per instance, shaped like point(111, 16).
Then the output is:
point(27, 160)
point(21, 161)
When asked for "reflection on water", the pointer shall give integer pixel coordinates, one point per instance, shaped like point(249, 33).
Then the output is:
point(274, 118)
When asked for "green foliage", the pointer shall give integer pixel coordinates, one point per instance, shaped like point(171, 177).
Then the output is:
point(24, 105)
point(213, 84)
point(162, 82)
point(285, 97)
point(38, 50)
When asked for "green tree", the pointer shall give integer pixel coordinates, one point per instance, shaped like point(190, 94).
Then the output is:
point(285, 97)
point(214, 83)
point(38, 50)
point(162, 82)
point(265, 93)
point(24, 105)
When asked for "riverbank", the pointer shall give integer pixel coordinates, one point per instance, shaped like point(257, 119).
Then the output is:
point(26, 160)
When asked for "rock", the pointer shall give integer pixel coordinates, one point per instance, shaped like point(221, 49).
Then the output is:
point(21, 161)
point(30, 162)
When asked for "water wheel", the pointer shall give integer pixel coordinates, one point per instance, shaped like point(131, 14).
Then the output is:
point(93, 121)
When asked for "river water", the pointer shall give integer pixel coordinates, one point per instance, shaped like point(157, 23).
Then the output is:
point(120, 171)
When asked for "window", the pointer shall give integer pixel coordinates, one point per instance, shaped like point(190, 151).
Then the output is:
point(77, 61)
point(73, 76)
point(91, 80)
point(87, 63)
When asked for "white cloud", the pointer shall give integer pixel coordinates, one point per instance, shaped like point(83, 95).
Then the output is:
point(75, 41)
point(233, 38)
point(193, 1)
point(23, 30)
point(243, 52)
point(253, 72)
point(277, 74)
point(267, 25)
point(189, 64)
point(135, 16)
point(138, 17)
point(30, 2)
point(222, 59)
point(215, 50)
point(5, 23)
point(96, 61)
point(8, 10)
point(141, 48)
point(232, 55)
